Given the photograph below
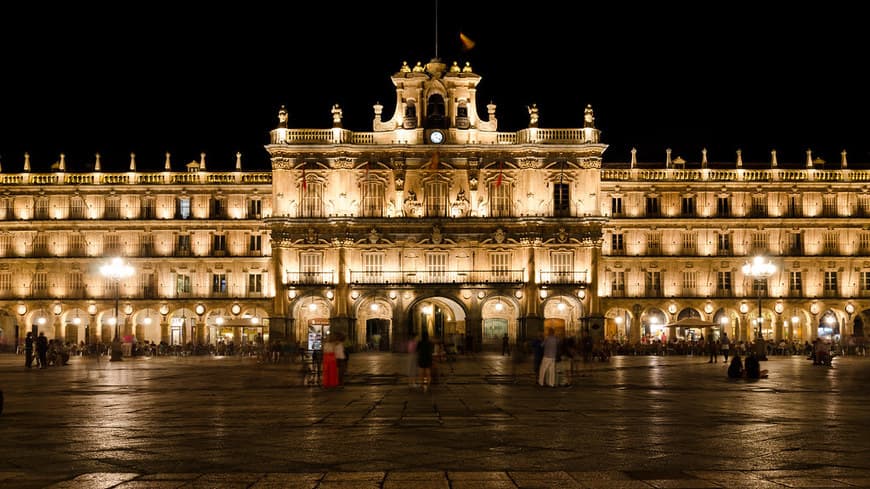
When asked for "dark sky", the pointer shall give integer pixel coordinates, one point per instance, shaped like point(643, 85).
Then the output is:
point(151, 79)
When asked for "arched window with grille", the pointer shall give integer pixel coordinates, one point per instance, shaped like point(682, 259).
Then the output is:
point(436, 198)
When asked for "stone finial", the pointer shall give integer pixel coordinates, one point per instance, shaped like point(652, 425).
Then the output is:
point(27, 162)
point(238, 161)
point(843, 163)
point(809, 158)
point(633, 157)
point(490, 110)
point(202, 161)
point(282, 117)
point(405, 68)
point(454, 68)
point(379, 109)
point(773, 161)
point(418, 68)
point(132, 161)
point(588, 116)
point(167, 164)
point(704, 158)
point(61, 164)
point(467, 67)
point(97, 165)
point(668, 161)
point(739, 158)
point(336, 115)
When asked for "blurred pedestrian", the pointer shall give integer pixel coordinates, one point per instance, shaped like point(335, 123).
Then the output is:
point(547, 375)
point(28, 350)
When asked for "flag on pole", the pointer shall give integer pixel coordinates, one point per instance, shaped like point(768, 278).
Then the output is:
point(304, 183)
point(467, 43)
point(500, 174)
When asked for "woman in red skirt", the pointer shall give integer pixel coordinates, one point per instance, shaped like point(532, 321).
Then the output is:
point(330, 366)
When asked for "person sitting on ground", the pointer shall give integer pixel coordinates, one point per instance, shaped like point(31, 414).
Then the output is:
point(753, 368)
point(735, 369)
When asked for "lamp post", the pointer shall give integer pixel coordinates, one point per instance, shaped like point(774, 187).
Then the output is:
point(759, 269)
point(116, 270)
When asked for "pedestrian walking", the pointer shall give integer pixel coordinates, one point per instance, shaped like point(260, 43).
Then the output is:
point(505, 345)
point(28, 350)
point(547, 375)
point(425, 350)
point(725, 345)
point(42, 350)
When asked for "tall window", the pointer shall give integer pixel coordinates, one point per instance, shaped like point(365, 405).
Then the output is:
point(724, 241)
point(312, 199)
point(865, 283)
point(500, 199)
point(690, 282)
point(723, 284)
point(255, 283)
point(219, 244)
point(654, 243)
point(5, 284)
point(182, 208)
point(77, 208)
point(829, 205)
point(795, 208)
point(561, 200)
point(562, 264)
point(617, 246)
point(795, 243)
point(373, 199)
point(616, 206)
point(255, 243)
point(5, 245)
point(795, 284)
point(617, 284)
point(759, 242)
point(183, 285)
point(112, 244)
point(373, 266)
point(652, 206)
point(40, 245)
point(219, 284)
point(40, 284)
point(146, 211)
point(148, 285)
point(113, 208)
point(688, 206)
point(41, 211)
point(255, 209)
point(864, 242)
point(831, 243)
point(690, 244)
point(653, 283)
point(436, 199)
point(831, 283)
point(436, 266)
point(723, 206)
point(311, 266)
point(499, 264)
point(218, 209)
point(182, 245)
point(75, 284)
point(759, 206)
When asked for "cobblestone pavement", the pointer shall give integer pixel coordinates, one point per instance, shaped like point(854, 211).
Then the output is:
point(635, 422)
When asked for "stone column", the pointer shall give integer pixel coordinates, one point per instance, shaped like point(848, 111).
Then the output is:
point(164, 331)
point(342, 321)
point(634, 332)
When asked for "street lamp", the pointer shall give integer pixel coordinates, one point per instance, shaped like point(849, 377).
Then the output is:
point(116, 270)
point(759, 269)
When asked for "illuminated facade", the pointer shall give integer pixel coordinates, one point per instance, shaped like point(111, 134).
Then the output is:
point(436, 221)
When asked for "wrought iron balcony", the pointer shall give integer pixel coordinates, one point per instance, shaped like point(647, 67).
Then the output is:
point(572, 277)
point(310, 278)
point(415, 277)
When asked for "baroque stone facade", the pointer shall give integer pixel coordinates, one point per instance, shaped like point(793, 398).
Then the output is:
point(435, 220)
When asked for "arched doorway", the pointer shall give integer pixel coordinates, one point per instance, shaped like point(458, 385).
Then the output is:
point(653, 325)
point(374, 323)
point(499, 314)
point(829, 326)
point(442, 317)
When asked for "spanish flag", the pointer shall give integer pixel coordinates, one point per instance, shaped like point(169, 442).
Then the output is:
point(304, 183)
point(500, 175)
point(467, 43)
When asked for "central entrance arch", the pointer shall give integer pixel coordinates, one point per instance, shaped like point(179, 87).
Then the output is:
point(442, 318)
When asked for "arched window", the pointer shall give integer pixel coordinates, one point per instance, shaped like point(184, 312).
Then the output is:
point(435, 113)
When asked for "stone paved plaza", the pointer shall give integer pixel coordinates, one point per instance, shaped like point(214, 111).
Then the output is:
point(635, 422)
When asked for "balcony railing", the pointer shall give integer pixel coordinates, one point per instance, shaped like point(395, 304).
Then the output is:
point(398, 277)
point(310, 278)
point(571, 277)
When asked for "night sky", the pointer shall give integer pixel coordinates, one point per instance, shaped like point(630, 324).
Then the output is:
point(151, 81)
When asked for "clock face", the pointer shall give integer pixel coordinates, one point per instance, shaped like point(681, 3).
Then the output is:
point(436, 137)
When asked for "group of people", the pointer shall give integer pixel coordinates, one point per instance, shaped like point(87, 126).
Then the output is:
point(752, 369)
point(334, 361)
point(47, 352)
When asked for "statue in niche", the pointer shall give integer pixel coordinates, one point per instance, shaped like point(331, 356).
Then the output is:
point(412, 207)
point(461, 205)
